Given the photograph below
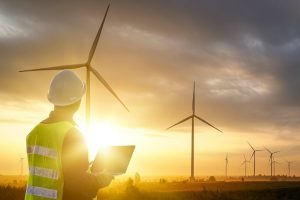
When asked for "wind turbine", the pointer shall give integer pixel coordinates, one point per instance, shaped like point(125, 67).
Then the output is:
point(193, 116)
point(226, 165)
point(253, 155)
point(89, 69)
point(21, 166)
point(245, 163)
point(271, 158)
point(289, 166)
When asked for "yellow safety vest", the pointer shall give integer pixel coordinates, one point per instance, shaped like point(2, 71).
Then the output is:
point(44, 151)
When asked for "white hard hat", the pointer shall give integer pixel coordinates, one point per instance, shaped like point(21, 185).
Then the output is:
point(66, 88)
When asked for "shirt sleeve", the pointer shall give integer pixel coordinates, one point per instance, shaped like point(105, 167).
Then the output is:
point(75, 164)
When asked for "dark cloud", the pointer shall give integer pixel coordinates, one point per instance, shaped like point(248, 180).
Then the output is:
point(243, 56)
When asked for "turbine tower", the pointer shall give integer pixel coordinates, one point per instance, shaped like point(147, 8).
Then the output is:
point(289, 167)
point(21, 166)
point(193, 116)
point(226, 165)
point(271, 159)
point(89, 69)
point(245, 163)
point(253, 155)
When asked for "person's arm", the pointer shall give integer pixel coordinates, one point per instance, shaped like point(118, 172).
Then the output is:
point(75, 164)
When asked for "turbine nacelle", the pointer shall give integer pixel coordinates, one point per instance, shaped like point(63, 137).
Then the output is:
point(254, 150)
point(271, 155)
point(245, 160)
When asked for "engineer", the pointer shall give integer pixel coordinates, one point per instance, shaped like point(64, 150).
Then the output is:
point(56, 150)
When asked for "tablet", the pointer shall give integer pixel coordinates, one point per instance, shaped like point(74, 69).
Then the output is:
point(113, 159)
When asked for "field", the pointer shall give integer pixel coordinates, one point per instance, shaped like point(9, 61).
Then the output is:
point(235, 190)
point(206, 191)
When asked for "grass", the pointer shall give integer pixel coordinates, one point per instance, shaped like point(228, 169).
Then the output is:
point(202, 191)
point(119, 190)
point(280, 194)
point(12, 193)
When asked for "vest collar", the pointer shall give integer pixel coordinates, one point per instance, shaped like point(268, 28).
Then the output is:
point(57, 116)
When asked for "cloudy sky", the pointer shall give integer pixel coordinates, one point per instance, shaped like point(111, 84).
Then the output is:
point(244, 57)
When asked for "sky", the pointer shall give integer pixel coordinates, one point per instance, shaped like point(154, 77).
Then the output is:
point(243, 56)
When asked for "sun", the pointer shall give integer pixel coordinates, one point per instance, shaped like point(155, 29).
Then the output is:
point(101, 134)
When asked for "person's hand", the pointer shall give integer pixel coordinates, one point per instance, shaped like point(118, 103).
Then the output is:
point(104, 179)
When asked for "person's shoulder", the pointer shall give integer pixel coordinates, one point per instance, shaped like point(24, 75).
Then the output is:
point(74, 134)
point(33, 131)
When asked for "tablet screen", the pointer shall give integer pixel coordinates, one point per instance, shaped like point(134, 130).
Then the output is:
point(113, 159)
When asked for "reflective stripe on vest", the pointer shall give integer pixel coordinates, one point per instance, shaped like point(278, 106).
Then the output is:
point(41, 192)
point(43, 151)
point(43, 172)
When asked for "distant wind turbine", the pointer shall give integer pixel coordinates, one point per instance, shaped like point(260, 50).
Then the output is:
point(253, 155)
point(271, 159)
point(89, 69)
point(289, 167)
point(21, 166)
point(193, 116)
point(245, 163)
point(226, 165)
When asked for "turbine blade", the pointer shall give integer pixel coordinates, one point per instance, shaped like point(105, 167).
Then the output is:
point(61, 67)
point(252, 155)
point(193, 107)
point(243, 163)
point(250, 146)
point(268, 150)
point(207, 123)
point(244, 156)
point(94, 46)
point(180, 121)
point(276, 152)
point(101, 79)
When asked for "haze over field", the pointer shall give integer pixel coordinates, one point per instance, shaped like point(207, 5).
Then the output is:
point(244, 57)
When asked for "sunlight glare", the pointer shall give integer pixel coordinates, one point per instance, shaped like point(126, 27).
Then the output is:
point(101, 134)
